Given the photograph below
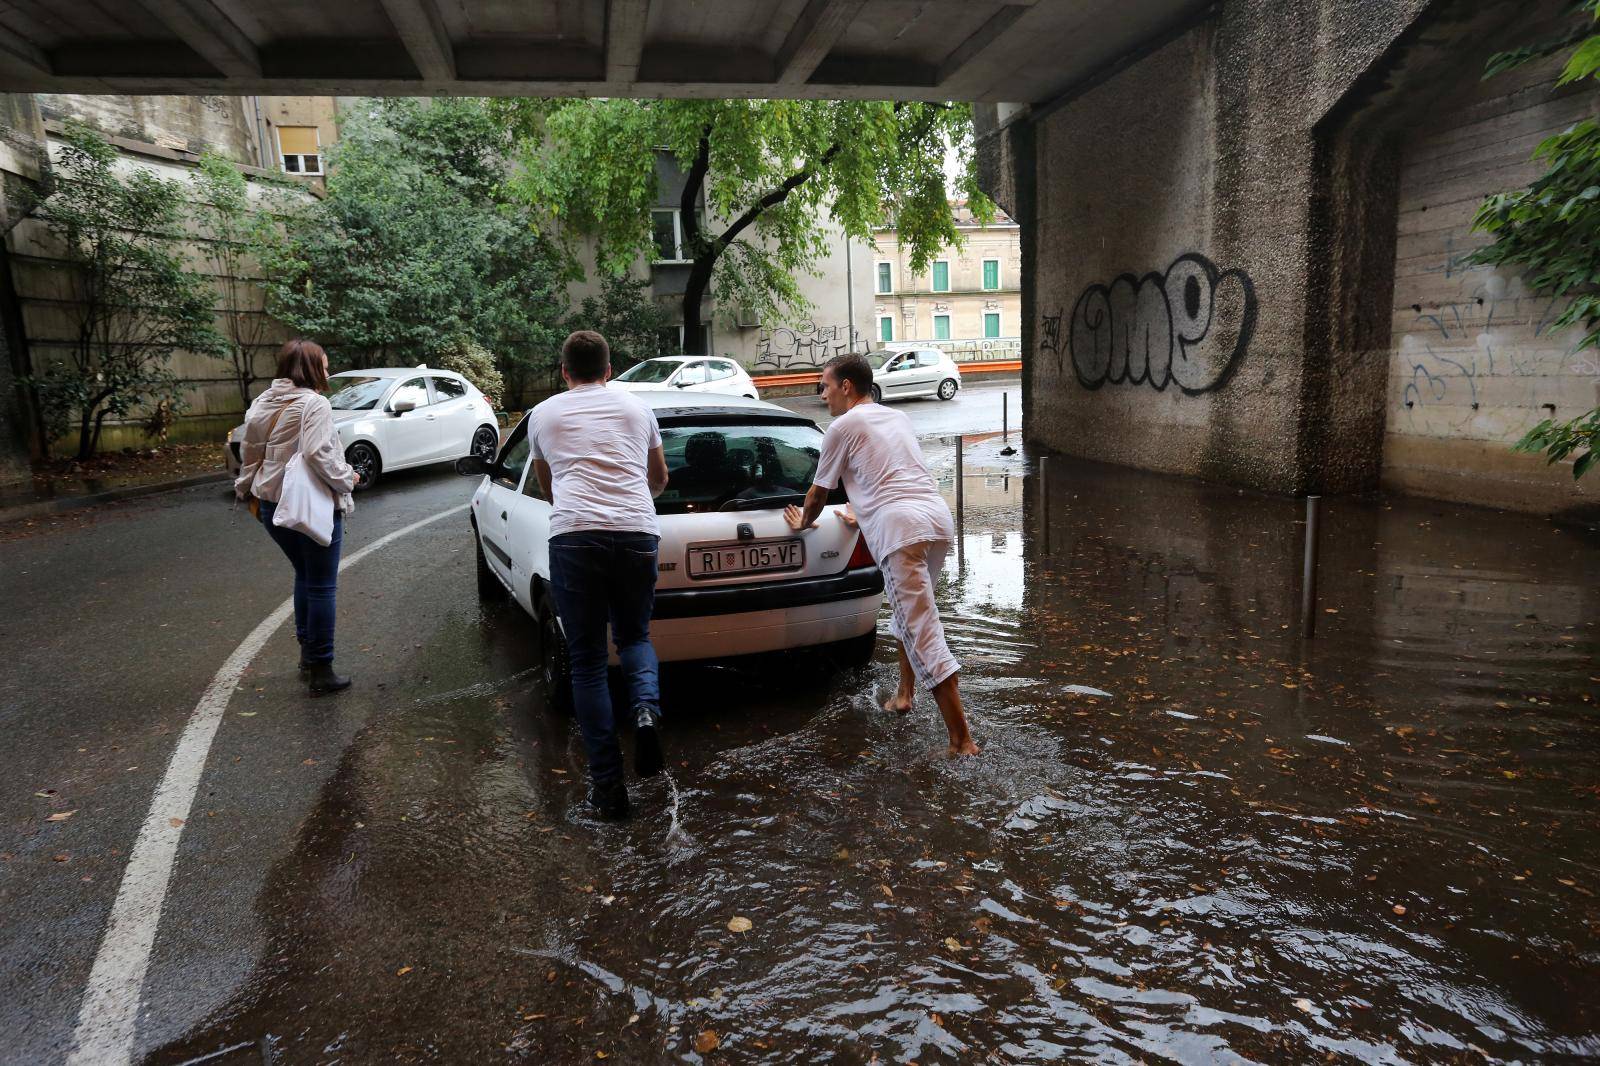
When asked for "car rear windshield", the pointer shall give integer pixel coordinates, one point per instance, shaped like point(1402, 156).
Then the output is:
point(355, 393)
point(738, 467)
point(651, 370)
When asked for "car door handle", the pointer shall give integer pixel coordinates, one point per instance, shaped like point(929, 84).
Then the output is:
point(503, 517)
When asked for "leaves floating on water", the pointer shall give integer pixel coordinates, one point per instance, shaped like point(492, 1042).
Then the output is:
point(739, 924)
point(707, 1040)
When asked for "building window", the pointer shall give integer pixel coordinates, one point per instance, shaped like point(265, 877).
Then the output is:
point(991, 324)
point(991, 273)
point(941, 276)
point(301, 149)
point(885, 278)
point(941, 327)
point(886, 327)
point(666, 225)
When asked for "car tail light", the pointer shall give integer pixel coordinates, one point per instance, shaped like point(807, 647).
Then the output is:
point(862, 556)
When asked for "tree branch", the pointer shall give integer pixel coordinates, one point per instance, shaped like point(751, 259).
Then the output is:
point(689, 202)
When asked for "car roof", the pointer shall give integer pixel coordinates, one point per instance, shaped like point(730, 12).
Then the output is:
point(671, 405)
point(396, 372)
point(687, 358)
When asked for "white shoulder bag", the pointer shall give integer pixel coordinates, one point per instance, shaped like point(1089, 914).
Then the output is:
point(305, 503)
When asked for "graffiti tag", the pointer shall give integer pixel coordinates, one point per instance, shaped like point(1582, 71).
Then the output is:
point(806, 346)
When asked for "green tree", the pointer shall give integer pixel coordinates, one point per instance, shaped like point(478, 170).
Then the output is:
point(131, 301)
point(768, 172)
point(1551, 230)
point(415, 251)
point(626, 316)
point(233, 228)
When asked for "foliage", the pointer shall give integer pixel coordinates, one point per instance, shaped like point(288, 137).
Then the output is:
point(475, 363)
point(1551, 230)
point(233, 227)
point(626, 316)
point(415, 250)
point(768, 173)
point(132, 302)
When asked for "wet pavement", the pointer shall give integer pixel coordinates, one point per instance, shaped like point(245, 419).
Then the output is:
point(1191, 836)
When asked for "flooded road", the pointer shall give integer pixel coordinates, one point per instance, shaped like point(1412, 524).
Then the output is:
point(1189, 838)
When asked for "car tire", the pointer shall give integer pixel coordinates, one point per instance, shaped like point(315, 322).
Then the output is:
point(856, 651)
point(877, 394)
point(947, 389)
point(555, 670)
point(367, 463)
point(489, 586)
point(485, 442)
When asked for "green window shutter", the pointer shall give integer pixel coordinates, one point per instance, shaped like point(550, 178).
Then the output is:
point(991, 325)
point(886, 329)
point(991, 273)
point(941, 327)
point(941, 277)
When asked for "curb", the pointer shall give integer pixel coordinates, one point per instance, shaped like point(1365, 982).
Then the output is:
point(130, 492)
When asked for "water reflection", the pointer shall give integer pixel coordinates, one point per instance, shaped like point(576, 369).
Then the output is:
point(1191, 836)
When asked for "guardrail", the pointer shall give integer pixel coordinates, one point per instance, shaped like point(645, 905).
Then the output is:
point(811, 377)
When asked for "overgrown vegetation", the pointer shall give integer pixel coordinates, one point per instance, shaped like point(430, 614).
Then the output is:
point(1551, 230)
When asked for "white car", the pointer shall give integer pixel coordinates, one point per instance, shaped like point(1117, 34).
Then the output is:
point(914, 372)
point(733, 578)
point(394, 418)
point(688, 373)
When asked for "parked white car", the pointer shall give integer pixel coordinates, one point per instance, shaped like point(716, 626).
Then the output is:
point(914, 372)
point(734, 579)
point(688, 373)
point(394, 418)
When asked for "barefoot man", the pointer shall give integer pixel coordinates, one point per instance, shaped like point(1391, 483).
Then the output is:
point(906, 523)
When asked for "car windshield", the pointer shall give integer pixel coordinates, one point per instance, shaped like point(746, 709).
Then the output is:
point(651, 371)
point(738, 467)
point(355, 393)
point(878, 359)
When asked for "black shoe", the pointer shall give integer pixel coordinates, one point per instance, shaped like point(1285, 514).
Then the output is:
point(610, 800)
point(322, 679)
point(305, 669)
point(647, 755)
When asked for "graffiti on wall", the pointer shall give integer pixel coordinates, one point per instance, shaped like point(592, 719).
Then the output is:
point(1187, 326)
point(805, 347)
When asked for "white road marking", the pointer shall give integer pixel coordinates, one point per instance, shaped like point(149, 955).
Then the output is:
point(108, 1018)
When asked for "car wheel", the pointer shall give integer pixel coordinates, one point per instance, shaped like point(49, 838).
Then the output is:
point(485, 442)
point(363, 457)
point(877, 394)
point(947, 389)
point(857, 651)
point(489, 587)
point(555, 671)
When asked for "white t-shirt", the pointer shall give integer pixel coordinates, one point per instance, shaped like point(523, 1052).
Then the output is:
point(597, 442)
point(875, 451)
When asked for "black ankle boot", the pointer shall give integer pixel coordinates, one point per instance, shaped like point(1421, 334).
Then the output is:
point(647, 755)
point(321, 678)
point(610, 800)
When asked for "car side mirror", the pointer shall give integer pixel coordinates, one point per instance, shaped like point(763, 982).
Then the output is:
point(400, 407)
point(473, 466)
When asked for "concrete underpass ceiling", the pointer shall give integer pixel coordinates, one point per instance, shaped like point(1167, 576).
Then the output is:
point(1024, 51)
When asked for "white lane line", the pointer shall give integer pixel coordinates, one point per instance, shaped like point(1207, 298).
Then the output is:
point(108, 1019)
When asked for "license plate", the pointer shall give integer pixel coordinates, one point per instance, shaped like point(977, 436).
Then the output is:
point(745, 557)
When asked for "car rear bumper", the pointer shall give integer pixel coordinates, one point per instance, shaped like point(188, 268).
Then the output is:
point(721, 636)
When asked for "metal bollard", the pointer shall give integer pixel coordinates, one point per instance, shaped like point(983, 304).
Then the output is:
point(1044, 502)
point(1308, 579)
point(961, 481)
point(1005, 416)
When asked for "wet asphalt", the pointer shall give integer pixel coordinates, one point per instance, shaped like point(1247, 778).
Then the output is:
point(1192, 836)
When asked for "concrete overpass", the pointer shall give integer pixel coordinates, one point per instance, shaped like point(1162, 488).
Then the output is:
point(1244, 221)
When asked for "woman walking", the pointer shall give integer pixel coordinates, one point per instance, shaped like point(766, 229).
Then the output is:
point(292, 416)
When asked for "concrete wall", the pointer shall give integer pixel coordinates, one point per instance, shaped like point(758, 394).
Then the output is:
point(1213, 229)
point(192, 124)
point(23, 164)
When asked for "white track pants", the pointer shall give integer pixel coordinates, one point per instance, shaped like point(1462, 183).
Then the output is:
point(909, 577)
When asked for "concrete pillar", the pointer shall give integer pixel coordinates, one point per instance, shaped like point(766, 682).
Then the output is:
point(23, 165)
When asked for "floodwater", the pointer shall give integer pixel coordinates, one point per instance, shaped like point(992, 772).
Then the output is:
point(1191, 837)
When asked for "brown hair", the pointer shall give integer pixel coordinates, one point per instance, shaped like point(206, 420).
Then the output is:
point(304, 363)
point(585, 355)
point(854, 369)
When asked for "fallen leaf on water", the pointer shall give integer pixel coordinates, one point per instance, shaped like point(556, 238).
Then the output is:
point(61, 858)
point(531, 1017)
point(887, 891)
point(608, 900)
point(1304, 1004)
point(402, 971)
point(61, 816)
point(953, 944)
point(601, 1055)
point(707, 1040)
point(738, 924)
point(632, 1018)
point(1399, 908)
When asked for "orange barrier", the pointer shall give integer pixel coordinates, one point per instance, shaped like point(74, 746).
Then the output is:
point(780, 381)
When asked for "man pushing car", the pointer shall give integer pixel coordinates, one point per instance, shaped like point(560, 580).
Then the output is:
point(907, 526)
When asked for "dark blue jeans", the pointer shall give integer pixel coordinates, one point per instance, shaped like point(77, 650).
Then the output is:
point(602, 577)
point(316, 582)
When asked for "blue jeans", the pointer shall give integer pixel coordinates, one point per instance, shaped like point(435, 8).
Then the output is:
point(601, 577)
point(316, 582)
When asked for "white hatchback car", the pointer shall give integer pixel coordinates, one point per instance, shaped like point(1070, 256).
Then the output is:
point(914, 372)
point(688, 373)
point(733, 578)
point(394, 418)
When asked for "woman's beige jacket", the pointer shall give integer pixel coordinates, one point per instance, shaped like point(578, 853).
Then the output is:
point(307, 427)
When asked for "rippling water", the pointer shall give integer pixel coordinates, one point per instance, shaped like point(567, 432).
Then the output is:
point(1190, 836)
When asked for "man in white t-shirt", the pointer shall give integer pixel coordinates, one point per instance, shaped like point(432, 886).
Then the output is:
point(597, 455)
point(906, 523)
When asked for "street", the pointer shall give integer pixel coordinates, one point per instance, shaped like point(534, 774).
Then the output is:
point(1190, 835)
